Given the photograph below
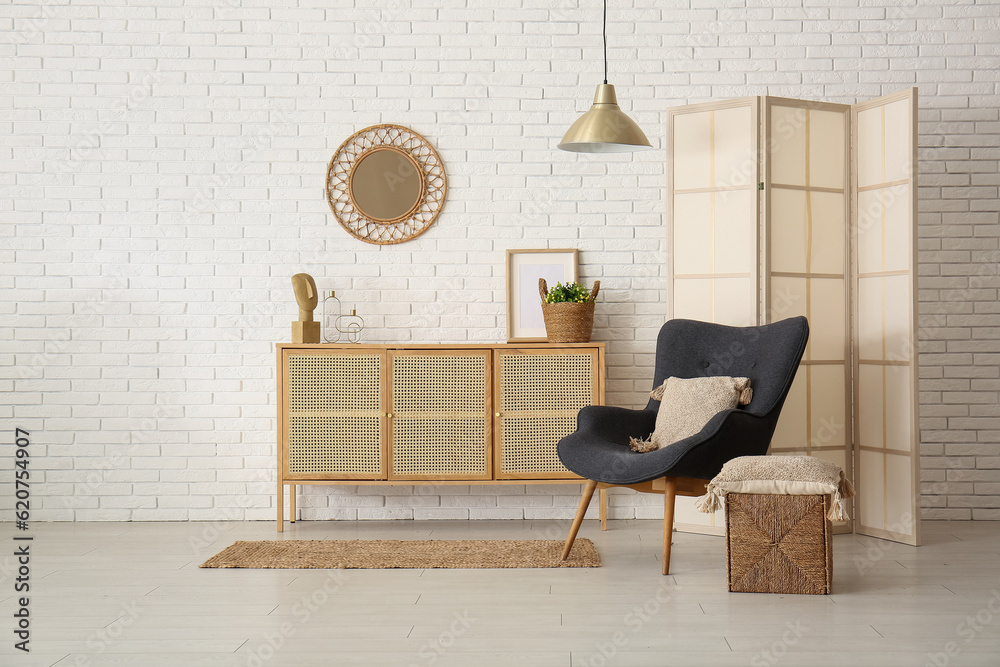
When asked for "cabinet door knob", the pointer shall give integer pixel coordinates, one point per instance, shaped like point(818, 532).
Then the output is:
point(389, 415)
point(496, 414)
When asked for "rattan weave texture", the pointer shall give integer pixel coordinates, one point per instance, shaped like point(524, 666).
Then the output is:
point(568, 322)
point(434, 187)
point(334, 413)
point(440, 422)
point(779, 544)
point(540, 396)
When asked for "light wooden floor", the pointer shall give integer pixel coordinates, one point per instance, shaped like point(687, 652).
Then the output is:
point(132, 594)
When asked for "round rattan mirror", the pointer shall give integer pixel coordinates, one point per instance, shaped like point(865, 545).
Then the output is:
point(386, 184)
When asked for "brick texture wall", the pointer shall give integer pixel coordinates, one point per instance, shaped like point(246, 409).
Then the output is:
point(163, 169)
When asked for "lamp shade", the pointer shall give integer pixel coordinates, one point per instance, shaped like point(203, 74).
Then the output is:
point(604, 128)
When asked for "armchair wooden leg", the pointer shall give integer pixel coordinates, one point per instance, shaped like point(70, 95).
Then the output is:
point(604, 508)
point(669, 496)
point(588, 493)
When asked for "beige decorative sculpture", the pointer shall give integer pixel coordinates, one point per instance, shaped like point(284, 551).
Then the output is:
point(305, 329)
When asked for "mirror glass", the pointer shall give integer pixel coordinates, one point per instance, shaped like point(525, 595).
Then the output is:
point(385, 184)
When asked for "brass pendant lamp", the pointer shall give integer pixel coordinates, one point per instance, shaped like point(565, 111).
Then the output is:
point(605, 128)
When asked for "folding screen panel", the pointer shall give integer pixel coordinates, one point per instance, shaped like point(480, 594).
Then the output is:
point(806, 268)
point(712, 184)
point(712, 201)
point(886, 436)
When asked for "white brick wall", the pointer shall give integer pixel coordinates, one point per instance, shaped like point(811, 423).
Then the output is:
point(163, 171)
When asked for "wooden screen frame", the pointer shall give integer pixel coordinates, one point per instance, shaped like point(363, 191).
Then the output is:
point(752, 103)
point(885, 532)
point(713, 524)
point(768, 273)
point(763, 209)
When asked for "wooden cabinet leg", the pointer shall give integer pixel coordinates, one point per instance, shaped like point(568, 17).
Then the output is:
point(669, 496)
point(604, 508)
point(291, 503)
point(588, 493)
point(281, 506)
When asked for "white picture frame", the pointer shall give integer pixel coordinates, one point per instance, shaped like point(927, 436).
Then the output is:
point(524, 268)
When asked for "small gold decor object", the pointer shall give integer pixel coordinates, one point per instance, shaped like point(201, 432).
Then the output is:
point(331, 313)
point(351, 326)
point(305, 329)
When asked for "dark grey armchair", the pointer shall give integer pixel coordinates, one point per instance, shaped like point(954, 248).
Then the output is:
point(599, 449)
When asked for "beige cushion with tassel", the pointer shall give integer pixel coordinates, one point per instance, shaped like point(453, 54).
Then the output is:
point(687, 404)
point(780, 475)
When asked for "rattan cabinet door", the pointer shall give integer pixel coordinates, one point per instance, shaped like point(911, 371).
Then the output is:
point(439, 426)
point(539, 393)
point(333, 426)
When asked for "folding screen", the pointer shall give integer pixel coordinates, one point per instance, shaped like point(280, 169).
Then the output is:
point(886, 436)
point(771, 214)
point(806, 269)
point(714, 212)
point(712, 174)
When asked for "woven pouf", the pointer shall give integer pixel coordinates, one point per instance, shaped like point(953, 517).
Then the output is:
point(779, 543)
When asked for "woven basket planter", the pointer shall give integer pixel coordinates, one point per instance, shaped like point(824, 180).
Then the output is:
point(568, 322)
point(778, 544)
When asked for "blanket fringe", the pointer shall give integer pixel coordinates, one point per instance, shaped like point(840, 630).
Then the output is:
point(746, 396)
point(838, 509)
point(712, 500)
point(709, 503)
point(846, 488)
point(642, 446)
point(838, 506)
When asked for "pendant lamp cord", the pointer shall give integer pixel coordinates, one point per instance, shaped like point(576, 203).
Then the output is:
point(604, 31)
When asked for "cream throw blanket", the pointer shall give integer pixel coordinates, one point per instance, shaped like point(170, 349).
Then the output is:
point(780, 475)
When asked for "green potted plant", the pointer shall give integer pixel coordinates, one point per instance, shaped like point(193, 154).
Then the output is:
point(568, 311)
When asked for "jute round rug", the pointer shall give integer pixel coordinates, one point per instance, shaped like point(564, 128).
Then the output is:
point(386, 554)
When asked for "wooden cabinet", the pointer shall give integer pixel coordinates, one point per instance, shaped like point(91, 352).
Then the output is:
point(538, 394)
point(439, 414)
point(332, 414)
point(430, 414)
